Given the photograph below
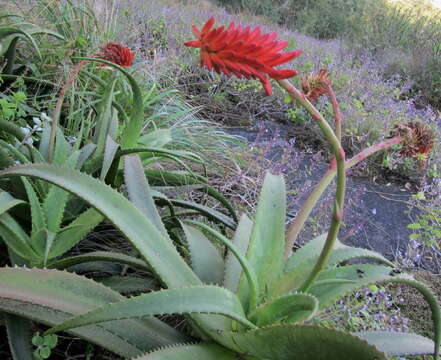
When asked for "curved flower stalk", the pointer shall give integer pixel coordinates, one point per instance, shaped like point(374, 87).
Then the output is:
point(243, 52)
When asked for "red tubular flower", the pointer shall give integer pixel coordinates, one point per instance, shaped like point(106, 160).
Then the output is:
point(243, 52)
point(116, 53)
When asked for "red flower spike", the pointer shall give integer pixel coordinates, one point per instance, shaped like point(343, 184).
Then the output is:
point(243, 52)
point(116, 53)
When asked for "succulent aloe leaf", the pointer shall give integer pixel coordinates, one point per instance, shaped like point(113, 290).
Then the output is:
point(233, 269)
point(100, 256)
point(19, 332)
point(139, 191)
point(110, 149)
point(86, 152)
point(62, 149)
point(300, 342)
point(158, 251)
point(43, 147)
point(205, 259)
point(185, 300)
point(206, 351)
point(16, 238)
point(51, 297)
point(398, 344)
point(248, 270)
point(53, 207)
point(346, 253)
point(37, 214)
point(302, 261)
point(360, 275)
point(7, 201)
point(104, 118)
point(310, 250)
point(267, 242)
point(71, 234)
point(129, 284)
point(289, 308)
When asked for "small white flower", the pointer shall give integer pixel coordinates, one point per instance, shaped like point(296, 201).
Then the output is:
point(26, 130)
point(36, 120)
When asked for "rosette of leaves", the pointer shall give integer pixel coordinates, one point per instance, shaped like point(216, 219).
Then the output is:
point(253, 309)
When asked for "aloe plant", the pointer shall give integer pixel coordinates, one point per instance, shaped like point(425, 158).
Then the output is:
point(271, 306)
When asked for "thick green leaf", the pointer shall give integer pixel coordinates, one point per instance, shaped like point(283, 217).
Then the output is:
point(104, 118)
point(51, 297)
point(19, 332)
point(205, 259)
point(129, 284)
point(233, 269)
point(110, 149)
point(15, 238)
point(306, 253)
point(139, 191)
point(7, 201)
point(361, 275)
point(267, 244)
point(345, 253)
point(302, 261)
point(299, 342)
point(248, 270)
point(185, 300)
point(37, 213)
point(208, 351)
point(70, 235)
point(158, 251)
point(398, 344)
point(286, 309)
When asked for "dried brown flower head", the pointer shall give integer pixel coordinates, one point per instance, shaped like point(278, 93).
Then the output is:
point(116, 53)
point(417, 140)
point(315, 85)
